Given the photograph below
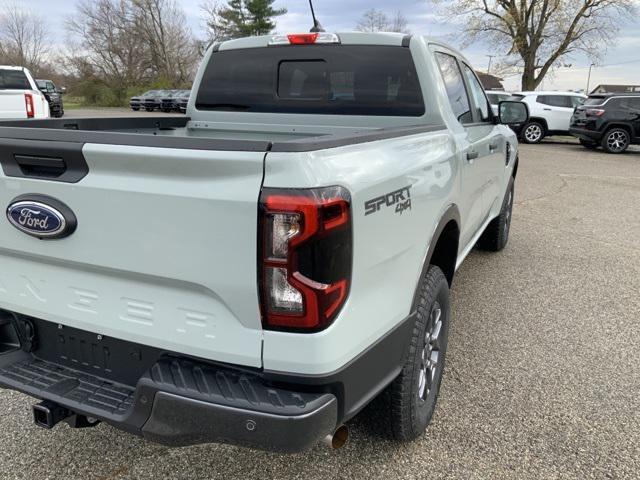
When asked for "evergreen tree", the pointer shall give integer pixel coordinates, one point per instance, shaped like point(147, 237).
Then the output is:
point(242, 18)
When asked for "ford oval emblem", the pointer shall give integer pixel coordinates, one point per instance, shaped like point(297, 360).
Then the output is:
point(41, 216)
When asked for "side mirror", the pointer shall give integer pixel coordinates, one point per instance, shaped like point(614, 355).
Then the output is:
point(513, 113)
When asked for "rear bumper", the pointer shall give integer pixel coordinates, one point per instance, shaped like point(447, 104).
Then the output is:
point(585, 134)
point(175, 402)
point(180, 421)
point(179, 401)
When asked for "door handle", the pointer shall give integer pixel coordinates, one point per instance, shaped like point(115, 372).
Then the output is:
point(472, 156)
point(547, 109)
point(493, 147)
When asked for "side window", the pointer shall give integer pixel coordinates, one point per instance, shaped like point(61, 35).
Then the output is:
point(626, 103)
point(615, 103)
point(543, 99)
point(577, 101)
point(454, 84)
point(478, 98)
point(555, 100)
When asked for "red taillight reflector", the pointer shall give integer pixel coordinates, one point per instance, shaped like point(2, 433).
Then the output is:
point(302, 38)
point(28, 101)
point(305, 257)
point(594, 112)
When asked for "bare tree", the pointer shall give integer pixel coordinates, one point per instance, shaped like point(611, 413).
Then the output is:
point(108, 44)
point(374, 20)
point(172, 48)
point(23, 37)
point(399, 23)
point(536, 35)
point(211, 12)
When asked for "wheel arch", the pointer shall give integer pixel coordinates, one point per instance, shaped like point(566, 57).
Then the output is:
point(443, 249)
point(624, 126)
point(541, 121)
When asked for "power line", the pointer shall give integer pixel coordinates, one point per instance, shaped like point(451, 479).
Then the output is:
point(580, 68)
point(619, 63)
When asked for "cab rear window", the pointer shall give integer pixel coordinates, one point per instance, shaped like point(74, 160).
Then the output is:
point(594, 101)
point(13, 80)
point(313, 79)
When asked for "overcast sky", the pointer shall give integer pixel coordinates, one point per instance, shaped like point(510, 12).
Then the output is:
point(623, 59)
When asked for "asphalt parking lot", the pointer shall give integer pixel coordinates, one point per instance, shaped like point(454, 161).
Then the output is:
point(542, 376)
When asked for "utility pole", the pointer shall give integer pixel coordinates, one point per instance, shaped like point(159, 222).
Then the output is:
point(589, 78)
point(489, 67)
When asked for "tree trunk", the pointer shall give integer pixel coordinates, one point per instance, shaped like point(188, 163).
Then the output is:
point(529, 75)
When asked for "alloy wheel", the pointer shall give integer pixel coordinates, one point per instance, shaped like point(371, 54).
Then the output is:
point(509, 210)
point(617, 141)
point(430, 361)
point(533, 133)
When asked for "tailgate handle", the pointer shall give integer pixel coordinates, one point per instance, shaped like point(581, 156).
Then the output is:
point(32, 166)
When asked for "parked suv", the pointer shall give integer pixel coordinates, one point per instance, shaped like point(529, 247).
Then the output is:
point(182, 100)
point(138, 102)
point(610, 120)
point(168, 100)
point(496, 97)
point(53, 96)
point(550, 113)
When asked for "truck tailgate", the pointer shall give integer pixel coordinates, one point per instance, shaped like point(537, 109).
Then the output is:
point(12, 104)
point(164, 253)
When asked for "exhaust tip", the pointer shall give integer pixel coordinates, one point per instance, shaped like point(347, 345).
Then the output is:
point(339, 438)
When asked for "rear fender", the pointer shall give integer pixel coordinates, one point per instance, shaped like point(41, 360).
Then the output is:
point(451, 214)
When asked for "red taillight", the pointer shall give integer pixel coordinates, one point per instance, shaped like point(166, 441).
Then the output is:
point(305, 257)
point(28, 101)
point(302, 38)
point(594, 112)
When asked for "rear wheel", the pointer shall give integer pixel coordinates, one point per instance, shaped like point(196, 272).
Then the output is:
point(415, 391)
point(589, 144)
point(135, 109)
point(496, 235)
point(533, 132)
point(616, 140)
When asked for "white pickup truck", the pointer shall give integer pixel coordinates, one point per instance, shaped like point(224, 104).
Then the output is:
point(256, 272)
point(20, 96)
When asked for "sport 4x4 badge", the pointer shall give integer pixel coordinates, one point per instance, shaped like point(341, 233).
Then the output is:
point(401, 199)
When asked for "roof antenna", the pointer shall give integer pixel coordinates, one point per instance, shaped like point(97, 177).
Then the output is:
point(317, 27)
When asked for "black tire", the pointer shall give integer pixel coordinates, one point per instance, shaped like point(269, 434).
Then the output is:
point(591, 145)
point(616, 140)
point(412, 401)
point(135, 109)
point(533, 132)
point(496, 235)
